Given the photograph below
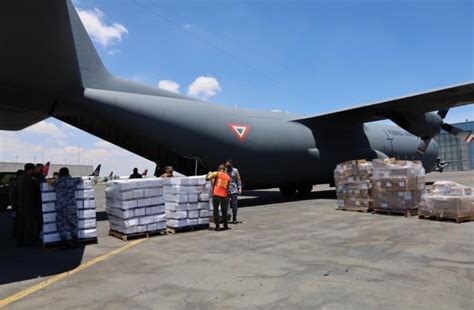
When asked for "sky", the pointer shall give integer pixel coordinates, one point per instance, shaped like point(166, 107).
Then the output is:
point(306, 57)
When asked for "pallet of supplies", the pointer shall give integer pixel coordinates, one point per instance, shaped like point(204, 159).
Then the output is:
point(135, 207)
point(353, 185)
point(86, 213)
point(448, 200)
point(397, 186)
point(186, 202)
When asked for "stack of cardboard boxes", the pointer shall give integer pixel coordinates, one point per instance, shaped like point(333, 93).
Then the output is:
point(136, 206)
point(186, 201)
point(353, 185)
point(397, 185)
point(86, 213)
point(448, 200)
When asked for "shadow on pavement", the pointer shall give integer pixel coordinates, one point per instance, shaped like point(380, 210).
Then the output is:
point(266, 197)
point(19, 264)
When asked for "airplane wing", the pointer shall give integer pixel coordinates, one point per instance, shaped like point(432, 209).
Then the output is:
point(416, 104)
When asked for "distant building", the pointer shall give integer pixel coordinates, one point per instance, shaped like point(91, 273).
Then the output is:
point(459, 154)
point(74, 170)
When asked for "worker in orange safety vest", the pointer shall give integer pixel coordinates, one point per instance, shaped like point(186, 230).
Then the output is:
point(220, 187)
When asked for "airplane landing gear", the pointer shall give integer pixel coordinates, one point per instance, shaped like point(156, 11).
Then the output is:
point(305, 189)
point(288, 191)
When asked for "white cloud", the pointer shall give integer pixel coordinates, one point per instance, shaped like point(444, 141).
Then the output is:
point(46, 128)
point(204, 87)
point(99, 31)
point(68, 146)
point(169, 85)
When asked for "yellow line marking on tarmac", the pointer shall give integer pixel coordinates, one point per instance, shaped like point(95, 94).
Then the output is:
point(6, 301)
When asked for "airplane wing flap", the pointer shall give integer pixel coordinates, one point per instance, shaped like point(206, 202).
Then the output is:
point(416, 104)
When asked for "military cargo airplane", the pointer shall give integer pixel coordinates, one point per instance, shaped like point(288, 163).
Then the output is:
point(50, 68)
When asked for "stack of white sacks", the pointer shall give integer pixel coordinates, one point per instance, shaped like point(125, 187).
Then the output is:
point(86, 212)
point(187, 201)
point(136, 206)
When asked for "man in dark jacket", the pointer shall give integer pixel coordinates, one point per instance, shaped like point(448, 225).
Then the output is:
point(14, 201)
point(29, 209)
point(135, 174)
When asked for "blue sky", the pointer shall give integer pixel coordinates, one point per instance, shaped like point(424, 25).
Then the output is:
point(307, 57)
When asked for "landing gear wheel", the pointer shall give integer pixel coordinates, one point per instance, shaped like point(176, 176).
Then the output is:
point(288, 192)
point(305, 189)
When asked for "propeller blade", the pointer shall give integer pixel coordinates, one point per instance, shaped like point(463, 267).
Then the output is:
point(465, 135)
point(423, 146)
point(443, 113)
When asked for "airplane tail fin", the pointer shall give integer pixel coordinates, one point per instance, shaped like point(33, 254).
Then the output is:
point(45, 53)
point(96, 172)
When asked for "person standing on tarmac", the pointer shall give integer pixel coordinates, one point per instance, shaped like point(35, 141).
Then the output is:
point(29, 211)
point(168, 172)
point(135, 174)
point(66, 209)
point(14, 201)
point(235, 188)
point(220, 189)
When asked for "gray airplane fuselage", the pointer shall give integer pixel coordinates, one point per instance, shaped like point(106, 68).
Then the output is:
point(275, 151)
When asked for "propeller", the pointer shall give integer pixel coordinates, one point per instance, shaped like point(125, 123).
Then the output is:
point(466, 136)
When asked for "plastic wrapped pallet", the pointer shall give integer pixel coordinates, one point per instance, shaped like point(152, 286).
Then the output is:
point(397, 185)
point(86, 212)
point(353, 185)
point(135, 206)
point(448, 200)
point(185, 199)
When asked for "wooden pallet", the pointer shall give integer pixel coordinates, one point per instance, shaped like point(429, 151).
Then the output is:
point(58, 244)
point(362, 210)
point(174, 230)
point(438, 218)
point(406, 213)
point(126, 237)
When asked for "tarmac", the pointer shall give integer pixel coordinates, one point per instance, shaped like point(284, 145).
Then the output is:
point(301, 254)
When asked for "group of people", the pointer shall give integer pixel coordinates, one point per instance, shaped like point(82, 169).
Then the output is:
point(25, 199)
point(26, 202)
point(167, 174)
point(226, 186)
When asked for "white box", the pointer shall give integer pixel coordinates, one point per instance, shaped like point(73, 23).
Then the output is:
point(176, 223)
point(45, 187)
point(85, 214)
point(123, 214)
point(157, 200)
point(197, 180)
point(87, 233)
point(192, 198)
point(141, 228)
point(204, 197)
point(122, 185)
point(178, 181)
point(179, 198)
point(146, 220)
point(176, 215)
point(126, 205)
point(144, 202)
point(194, 189)
point(203, 221)
point(203, 205)
point(159, 218)
point(192, 222)
point(49, 207)
point(84, 185)
point(48, 238)
point(138, 193)
point(85, 193)
point(174, 189)
point(193, 214)
point(49, 196)
point(172, 206)
point(140, 212)
point(152, 192)
point(49, 217)
point(49, 228)
point(152, 210)
point(152, 227)
point(127, 231)
point(89, 223)
point(204, 213)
